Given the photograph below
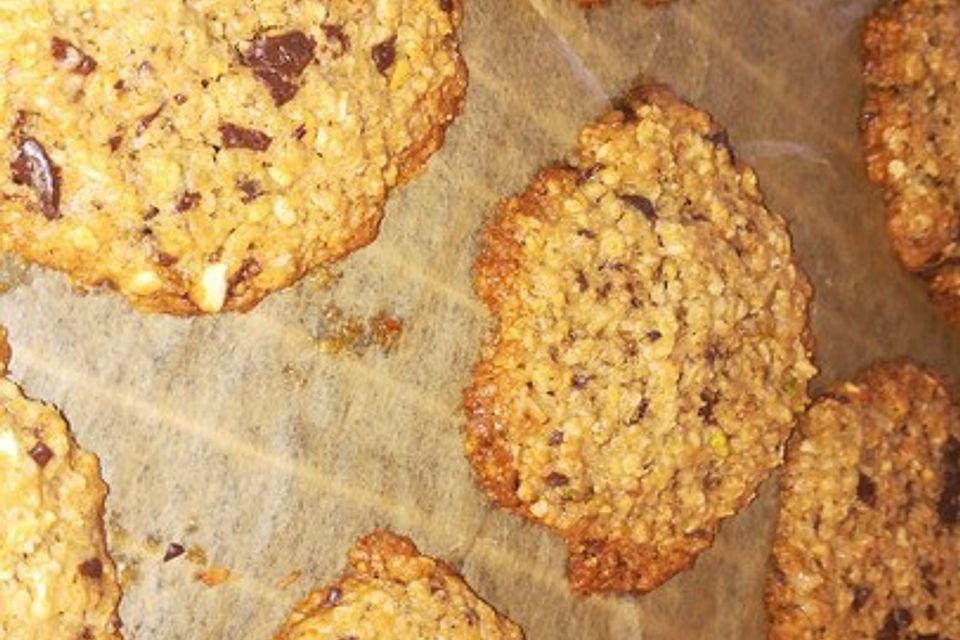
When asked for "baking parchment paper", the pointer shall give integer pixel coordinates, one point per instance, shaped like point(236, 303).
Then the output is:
point(241, 436)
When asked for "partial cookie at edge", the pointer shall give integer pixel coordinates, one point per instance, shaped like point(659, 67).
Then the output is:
point(56, 577)
point(390, 590)
point(154, 179)
point(867, 537)
point(911, 136)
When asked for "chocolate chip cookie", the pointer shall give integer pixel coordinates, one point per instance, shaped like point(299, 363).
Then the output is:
point(392, 591)
point(56, 579)
point(867, 539)
point(911, 131)
point(649, 349)
point(196, 156)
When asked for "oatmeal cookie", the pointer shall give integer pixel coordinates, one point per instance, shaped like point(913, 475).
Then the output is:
point(911, 132)
point(198, 155)
point(57, 581)
point(391, 591)
point(650, 346)
point(867, 542)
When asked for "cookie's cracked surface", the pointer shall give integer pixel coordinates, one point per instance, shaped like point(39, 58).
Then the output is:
point(911, 124)
point(198, 155)
point(867, 539)
point(392, 591)
point(649, 348)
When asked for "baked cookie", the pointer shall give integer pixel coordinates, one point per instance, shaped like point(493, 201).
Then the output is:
point(650, 345)
point(198, 155)
point(597, 3)
point(867, 542)
point(56, 580)
point(391, 591)
point(911, 132)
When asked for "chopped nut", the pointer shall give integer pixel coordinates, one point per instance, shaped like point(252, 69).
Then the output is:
point(213, 288)
point(144, 283)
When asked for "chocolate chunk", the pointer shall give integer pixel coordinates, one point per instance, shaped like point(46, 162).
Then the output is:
point(926, 576)
point(897, 619)
point(654, 335)
point(555, 479)
point(639, 413)
point(236, 137)
point(188, 200)
point(251, 189)
point(903, 617)
point(278, 61)
point(287, 54)
point(180, 99)
point(586, 233)
point(720, 139)
point(867, 490)
point(641, 204)
point(860, 596)
point(41, 454)
point(144, 123)
point(174, 550)
point(72, 57)
point(333, 597)
point(579, 380)
point(384, 53)
point(446, 5)
point(115, 141)
point(949, 503)
point(470, 615)
point(300, 132)
point(555, 439)
point(710, 399)
point(337, 39)
point(34, 168)
point(92, 568)
point(582, 281)
point(589, 172)
point(249, 268)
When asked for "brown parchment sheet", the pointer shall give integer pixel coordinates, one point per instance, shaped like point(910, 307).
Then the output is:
point(239, 435)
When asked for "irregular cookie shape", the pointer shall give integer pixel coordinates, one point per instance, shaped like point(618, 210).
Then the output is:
point(199, 155)
point(56, 580)
point(911, 125)
point(649, 349)
point(867, 542)
point(391, 591)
